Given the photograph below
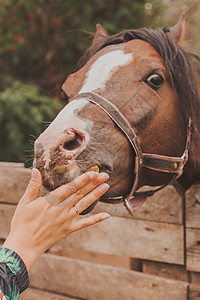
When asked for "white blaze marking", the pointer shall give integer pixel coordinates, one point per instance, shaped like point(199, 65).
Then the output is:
point(101, 70)
point(66, 119)
point(70, 109)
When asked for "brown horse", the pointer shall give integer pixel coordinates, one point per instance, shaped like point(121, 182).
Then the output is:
point(129, 112)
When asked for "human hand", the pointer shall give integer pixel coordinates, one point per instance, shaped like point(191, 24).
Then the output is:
point(39, 223)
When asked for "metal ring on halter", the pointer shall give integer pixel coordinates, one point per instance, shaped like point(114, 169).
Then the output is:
point(76, 210)
point(128, 206)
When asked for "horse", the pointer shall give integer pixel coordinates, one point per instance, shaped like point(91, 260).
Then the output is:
point(132, 110)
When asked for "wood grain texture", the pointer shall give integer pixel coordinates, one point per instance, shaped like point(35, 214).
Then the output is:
point(93, 281)
point(193, 249)
point(194, 292)
point(165, 206)
point(95, 257)
point(128, 237)
point(132, 238)
point(195, 278)
point(13, 182)
point(165, 270)
point(6, 164)
point(6, 213)
point(34, 294)
point(192, 197)
point(155, 233)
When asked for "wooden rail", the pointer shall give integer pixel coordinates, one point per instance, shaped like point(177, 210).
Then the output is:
point(153, 255)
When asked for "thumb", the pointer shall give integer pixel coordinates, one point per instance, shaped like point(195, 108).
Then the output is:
point(33, 186)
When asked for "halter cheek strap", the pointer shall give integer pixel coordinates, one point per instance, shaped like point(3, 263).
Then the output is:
point(156, 162)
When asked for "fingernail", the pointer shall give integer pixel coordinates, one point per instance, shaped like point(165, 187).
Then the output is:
point(105, 216)
point(103, 176)
point(93, 175)
point(104, 187)
point(34, 174)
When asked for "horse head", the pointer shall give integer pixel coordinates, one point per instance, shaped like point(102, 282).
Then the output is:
point(142, 76)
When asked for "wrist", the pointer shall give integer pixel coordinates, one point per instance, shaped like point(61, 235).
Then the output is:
point(28, 254)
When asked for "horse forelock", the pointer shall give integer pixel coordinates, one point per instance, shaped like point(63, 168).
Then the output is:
point(177, 62)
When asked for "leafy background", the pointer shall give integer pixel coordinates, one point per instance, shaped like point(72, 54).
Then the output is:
point(40, 44)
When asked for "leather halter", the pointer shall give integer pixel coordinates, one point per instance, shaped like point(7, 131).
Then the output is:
point(156, 162)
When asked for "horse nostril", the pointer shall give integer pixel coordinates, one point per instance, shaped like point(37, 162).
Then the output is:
point(74, 141)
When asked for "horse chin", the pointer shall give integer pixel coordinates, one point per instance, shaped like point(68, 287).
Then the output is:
point(60, 174)
point(52, 179)
point(49, 186)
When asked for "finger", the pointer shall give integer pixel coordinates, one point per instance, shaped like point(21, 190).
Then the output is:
point(33, 186)
point(88, 221)
point(89, 198)
point(65, 191)
point(73, 199)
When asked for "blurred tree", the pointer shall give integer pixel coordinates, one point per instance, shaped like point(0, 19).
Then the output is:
point(22, 111)
point(41, 41)
point(40, 44)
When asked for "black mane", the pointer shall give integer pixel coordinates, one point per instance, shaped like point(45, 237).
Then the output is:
point(177, 62)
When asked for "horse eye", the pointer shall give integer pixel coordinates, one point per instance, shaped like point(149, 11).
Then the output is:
point(155, 81)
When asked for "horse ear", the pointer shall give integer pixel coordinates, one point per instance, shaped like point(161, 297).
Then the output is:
point(177, 31)
point(100, 37)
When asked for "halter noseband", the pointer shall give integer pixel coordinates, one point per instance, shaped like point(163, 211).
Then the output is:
point(161, 163)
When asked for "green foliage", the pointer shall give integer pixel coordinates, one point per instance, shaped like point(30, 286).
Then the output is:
point(42, 40)
point(40, 44)
point(22, 110)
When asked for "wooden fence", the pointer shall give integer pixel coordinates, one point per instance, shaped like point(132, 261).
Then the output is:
point(153, 255)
